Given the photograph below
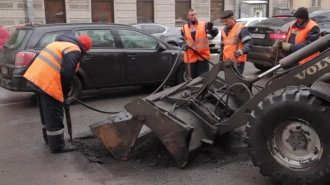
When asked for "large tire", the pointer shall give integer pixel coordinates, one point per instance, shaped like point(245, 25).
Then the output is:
point(261, 67)
point(76, 88)
point(281, 127)
point(181, 75)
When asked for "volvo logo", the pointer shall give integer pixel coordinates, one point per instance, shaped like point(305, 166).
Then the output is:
point(313, 69)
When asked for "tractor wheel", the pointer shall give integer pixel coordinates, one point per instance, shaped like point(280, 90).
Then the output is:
point(288, 137)
point(76, 88)
point(181, 75)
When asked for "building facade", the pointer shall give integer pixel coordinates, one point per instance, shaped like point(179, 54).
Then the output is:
point(312, 5)
point(170, 12)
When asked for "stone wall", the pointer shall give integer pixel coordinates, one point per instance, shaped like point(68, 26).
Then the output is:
point(14, 12)
point(78, 11)
point(202, 8)
point(125, 11)
point(164, 12)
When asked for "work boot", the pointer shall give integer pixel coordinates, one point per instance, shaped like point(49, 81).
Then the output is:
point(67, 148)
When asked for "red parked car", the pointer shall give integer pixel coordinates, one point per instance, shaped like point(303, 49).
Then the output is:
point(4, 35)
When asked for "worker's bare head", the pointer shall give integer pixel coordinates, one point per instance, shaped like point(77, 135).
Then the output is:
point(301, 15)
point(191, 15)
point(227, 17)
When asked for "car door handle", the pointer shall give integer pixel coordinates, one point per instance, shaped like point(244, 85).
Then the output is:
point(88, 57)
point(132, 56)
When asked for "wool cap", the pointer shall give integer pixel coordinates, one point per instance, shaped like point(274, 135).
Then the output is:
point(302, 13)
point(85, 41)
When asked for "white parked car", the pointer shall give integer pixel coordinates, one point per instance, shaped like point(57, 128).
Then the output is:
point(215, 42)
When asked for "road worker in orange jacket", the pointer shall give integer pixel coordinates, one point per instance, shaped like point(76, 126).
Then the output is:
point(301, 33)
point(236, 41)
point(50, 76)
point(195, 34)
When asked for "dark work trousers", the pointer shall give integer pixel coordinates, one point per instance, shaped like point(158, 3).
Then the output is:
point(198, 68)
point(51, 113)
point(240, 67)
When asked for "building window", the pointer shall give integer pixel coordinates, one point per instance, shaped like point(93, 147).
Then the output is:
point(145, 11)
point(316, 2)
point(216, 10)
point(102, 11)
point(181, 9)
point(55, 11)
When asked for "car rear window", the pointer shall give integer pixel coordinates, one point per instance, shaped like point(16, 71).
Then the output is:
point(16, 39)
point(48, 38)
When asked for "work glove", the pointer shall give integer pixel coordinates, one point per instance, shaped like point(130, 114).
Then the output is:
point(277, 44)
point(185, 48)
point(286, 46)
point(238, 53)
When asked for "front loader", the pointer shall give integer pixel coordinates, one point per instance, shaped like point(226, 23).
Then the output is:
point(287, 122)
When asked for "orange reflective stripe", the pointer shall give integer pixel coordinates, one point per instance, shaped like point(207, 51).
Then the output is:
point(71, 48)
point(49, 62)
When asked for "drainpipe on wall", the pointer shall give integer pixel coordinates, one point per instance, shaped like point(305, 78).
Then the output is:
point(30, 10)
point(237, 9)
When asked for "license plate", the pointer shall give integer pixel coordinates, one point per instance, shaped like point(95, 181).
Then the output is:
point(4, 70)
point(258, 36)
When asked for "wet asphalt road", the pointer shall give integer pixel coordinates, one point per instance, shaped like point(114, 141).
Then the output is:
point(25, 159)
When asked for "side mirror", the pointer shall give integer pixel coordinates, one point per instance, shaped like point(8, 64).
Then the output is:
point(161, 47)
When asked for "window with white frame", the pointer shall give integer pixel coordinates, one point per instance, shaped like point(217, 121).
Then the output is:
point(316, 2)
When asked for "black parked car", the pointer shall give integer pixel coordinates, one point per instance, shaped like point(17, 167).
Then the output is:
point(264, 35)
point(121, 55)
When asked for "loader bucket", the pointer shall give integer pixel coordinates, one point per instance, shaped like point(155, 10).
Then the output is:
point(183, 118)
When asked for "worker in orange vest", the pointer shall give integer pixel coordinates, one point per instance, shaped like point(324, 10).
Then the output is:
point(236, 41)
point(50, 76)
point(195, 34)
point(301, 33)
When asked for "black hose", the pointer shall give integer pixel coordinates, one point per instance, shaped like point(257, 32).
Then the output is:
point(94, 108)
point(282, 73)
point(229, 88)
point(169, 74)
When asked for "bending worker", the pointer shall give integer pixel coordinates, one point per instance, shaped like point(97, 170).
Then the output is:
point(50, 76)
point(195, 34)
point(236, 41)
point(301, 33)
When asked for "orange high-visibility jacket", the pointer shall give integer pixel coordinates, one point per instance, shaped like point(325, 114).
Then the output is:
point(200, 44)
point(44, 72)
point(301, 35)
point(230, 43)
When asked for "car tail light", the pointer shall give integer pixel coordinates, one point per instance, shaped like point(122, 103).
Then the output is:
point(280, 36)
point(23, 58)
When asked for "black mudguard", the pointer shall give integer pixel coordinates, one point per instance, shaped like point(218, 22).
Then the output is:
point(321, 89)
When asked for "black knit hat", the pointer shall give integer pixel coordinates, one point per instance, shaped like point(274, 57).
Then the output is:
point(301, 13)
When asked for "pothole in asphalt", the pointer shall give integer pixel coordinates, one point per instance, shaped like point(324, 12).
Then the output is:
point(226, 149)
